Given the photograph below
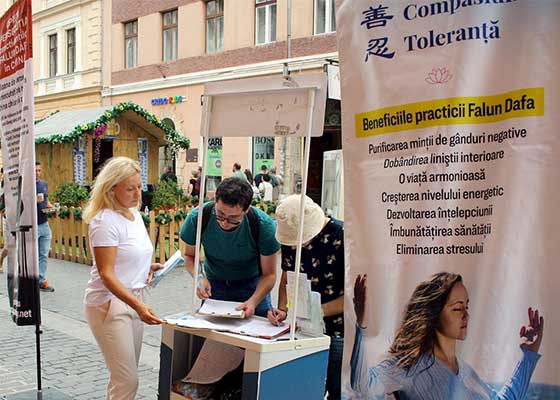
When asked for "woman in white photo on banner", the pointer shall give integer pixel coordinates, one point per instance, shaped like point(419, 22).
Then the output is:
point(115, 305)
point(422, 362)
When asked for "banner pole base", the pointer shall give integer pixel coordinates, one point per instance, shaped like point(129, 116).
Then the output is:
point(47, 394)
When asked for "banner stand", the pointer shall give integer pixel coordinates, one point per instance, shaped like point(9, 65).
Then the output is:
point(18, 155)
point(47, 394)
point(21, 251)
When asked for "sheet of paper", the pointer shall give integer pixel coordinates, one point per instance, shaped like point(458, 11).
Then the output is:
point(255, 326)
point(214, 361)
point(304, 291)
point(173, 261)
point(220, 308)
point(193, 321)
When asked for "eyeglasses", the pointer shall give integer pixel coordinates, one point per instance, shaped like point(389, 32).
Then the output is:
point(230, 221)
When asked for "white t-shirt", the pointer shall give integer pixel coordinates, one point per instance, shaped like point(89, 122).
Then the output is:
point(134, 253)
point(266, 190)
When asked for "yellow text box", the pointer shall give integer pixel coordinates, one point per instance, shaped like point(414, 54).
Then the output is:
point(528, 102)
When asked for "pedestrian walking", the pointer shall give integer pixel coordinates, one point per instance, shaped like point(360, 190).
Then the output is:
point(44, 233)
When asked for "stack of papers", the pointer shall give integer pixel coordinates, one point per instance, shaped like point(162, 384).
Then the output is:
point(175, 260)
point(255, 326)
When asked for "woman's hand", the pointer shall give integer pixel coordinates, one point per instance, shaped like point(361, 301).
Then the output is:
point(276, 316)
point(203, 289)
point(153, 268)
point(147, 315)
point(360, 300)
point(532, 335)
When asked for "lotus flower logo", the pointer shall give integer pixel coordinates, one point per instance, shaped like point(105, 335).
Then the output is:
point(439, 76)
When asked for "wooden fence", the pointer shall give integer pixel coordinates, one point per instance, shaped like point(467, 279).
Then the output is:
point(70, 238)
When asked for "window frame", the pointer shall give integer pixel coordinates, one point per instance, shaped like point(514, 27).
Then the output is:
point(329, 5)
point(53, 54)
point(174, 41)
point(71, 50)
point(132, 37)
point(267, 5)
point(216, 16)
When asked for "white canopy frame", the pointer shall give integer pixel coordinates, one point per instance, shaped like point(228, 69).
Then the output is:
point(279, 128)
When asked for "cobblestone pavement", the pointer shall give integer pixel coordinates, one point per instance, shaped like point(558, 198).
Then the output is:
point(71, 361)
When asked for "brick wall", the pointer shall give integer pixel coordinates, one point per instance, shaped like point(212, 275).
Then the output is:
point(249, 55)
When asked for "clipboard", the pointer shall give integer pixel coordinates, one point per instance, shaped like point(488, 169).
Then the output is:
point(221, 308)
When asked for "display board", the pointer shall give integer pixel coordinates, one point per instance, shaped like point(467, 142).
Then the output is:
point(451, 160)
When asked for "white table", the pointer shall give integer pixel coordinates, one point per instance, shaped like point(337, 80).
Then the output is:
point(272, 369)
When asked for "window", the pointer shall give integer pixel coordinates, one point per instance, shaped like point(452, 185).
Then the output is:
point(131, 44)
point(265, 21)
point(214, 26)
point(170, 36)
point(70, 50)
point(52, 55)
point(325, 16)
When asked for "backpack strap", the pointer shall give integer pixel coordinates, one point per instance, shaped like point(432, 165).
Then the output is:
point(206, 213)
point(254, 225)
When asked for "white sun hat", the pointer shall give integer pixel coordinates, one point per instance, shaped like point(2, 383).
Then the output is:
point(287, 216)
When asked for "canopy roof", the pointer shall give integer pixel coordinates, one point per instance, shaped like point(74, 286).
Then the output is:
point(67, 126)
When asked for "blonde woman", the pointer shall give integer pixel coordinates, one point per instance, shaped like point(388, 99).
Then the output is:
point(114, 300)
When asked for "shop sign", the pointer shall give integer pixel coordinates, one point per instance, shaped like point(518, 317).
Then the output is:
point(214, 159)
point(160, 101)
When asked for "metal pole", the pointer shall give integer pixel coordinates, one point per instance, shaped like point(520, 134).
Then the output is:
point(205, 128)
point(301, 211)
point(38, 347)
point(286, 74)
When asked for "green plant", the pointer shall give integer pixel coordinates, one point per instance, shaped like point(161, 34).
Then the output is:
point(167, 195)
point(71, 194)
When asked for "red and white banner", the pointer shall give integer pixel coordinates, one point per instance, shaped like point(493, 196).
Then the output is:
point(18, 156)
point(451, 111)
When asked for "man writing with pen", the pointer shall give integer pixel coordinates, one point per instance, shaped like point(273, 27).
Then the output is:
point(322, 259)
point(239, 247)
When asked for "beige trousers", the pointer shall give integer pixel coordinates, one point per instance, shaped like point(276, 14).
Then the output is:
point(118, 331)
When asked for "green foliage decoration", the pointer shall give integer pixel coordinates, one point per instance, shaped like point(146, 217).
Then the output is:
point(146, 219)
point(77, 214)
point(180, 215)
point(163, 218)
point(63, 213)
point(175, 140)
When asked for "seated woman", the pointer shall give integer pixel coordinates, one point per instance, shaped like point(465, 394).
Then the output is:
point(423, 364)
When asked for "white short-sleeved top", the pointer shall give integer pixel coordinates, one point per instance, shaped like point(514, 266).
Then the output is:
point(134, 253)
